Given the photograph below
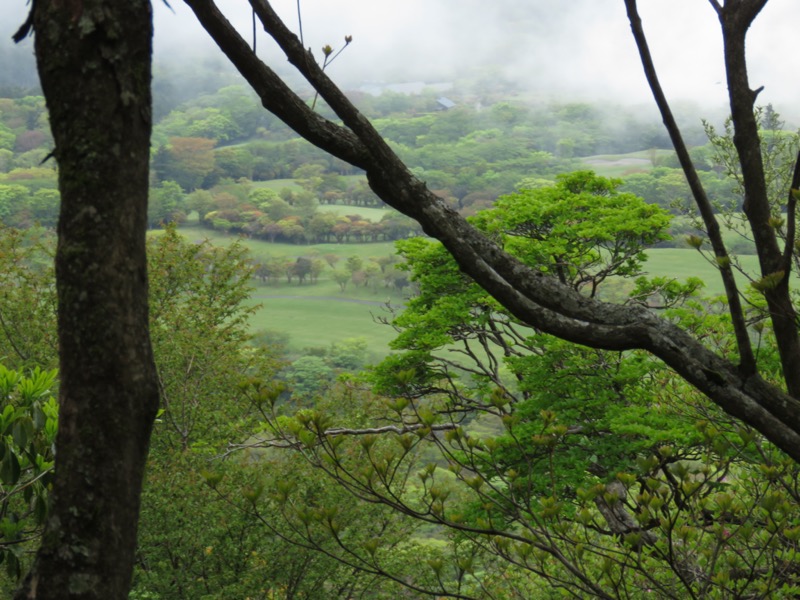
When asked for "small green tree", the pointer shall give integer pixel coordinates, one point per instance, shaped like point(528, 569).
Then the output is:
point(199, 327)
point(167, 204)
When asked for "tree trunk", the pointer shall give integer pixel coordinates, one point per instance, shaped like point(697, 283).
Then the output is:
point(94, 63)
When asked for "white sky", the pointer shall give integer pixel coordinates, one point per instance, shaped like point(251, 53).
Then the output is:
point(559, 46)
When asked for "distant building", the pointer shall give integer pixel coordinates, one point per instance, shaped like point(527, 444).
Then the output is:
point(445, 103)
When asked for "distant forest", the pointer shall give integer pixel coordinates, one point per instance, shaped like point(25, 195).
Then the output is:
point(214, 147)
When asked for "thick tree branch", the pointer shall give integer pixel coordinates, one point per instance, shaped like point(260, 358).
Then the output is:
point(537, 300)
point(275, 95)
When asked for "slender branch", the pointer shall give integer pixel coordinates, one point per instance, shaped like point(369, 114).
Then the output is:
point(791, 209)
point(337, 431)
point(747, 360)
point(300, 23)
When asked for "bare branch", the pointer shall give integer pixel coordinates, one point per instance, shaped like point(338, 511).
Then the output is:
point(746, 356)
point(337, 431)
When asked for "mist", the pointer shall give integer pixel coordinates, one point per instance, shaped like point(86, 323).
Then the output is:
point(581, 49)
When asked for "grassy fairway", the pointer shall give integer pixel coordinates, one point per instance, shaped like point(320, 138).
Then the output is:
point(679, 263)
point(321, 313)
point(320, 321)
point(618, 165)
point(316, 314)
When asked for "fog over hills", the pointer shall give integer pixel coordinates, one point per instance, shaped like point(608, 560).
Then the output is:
point(580, 48)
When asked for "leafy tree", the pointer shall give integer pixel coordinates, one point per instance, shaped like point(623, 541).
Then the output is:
point(308, 376)
point(6, 157)
point(87, 264)
point(167, 204)
point(7, 138)
point(302, 268)
point(234, 162)
point(27, 300)
point(581, 230)
point(321, 226)
point(198, 327)
point(778, 149)
point(342, 277)
point(275, 207)
point(44, 205)
point(191, 541)
point(11, 197)
point(191, 160)
point(580, 466)
point(350, 354)
point(200, 201)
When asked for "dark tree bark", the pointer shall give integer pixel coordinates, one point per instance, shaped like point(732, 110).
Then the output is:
point(537, 300)
point(94, 59)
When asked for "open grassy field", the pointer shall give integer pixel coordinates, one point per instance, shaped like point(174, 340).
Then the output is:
point(617, 165)
point(319, 321)
point(277, 184)
point(680, 263)
point(321, 313)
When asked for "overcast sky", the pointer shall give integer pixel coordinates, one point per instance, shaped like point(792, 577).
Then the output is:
point(563, 46)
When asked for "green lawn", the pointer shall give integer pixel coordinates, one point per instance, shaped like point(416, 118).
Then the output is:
point(619, 165)
point(277, 184)
point(320, 314)
point(316, 314)
point(679, 263)
point(320, 321)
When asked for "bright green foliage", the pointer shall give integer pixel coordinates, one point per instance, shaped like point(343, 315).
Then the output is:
point(308, 376)
point(581, 230)
point(28, 424)
point(10, 196)
point(369, 550)
point(551, 464)
point(7, 138)
point(778, 152)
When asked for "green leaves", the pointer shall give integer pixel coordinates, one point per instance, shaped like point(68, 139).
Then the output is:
point(581, 230)
point(28, 424)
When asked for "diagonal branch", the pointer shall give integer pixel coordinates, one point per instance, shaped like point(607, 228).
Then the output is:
point(791, 210)
point(275, 95)
point(535, 299)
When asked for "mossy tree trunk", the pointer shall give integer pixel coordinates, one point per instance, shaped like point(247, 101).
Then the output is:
point(94, 60)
